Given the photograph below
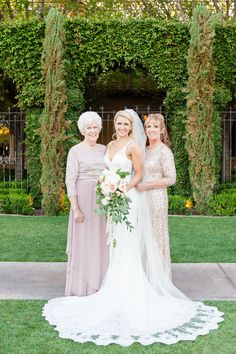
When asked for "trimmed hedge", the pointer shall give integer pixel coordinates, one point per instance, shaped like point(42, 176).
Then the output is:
point(177, 205)
point(7, 191)
point(18, 184)
point(65, 205)
point(223, 204)
point(16, 204)
point(16, 201)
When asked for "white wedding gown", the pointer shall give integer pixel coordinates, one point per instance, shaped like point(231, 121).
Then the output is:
point(137, 302)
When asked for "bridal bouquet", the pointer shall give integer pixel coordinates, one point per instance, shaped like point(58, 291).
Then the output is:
point(112, 199)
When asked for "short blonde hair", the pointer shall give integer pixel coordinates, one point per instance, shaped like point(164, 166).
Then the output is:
point(158, 118)
point(87, 118)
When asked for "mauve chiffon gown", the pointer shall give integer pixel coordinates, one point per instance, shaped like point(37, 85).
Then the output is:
point(86, 243)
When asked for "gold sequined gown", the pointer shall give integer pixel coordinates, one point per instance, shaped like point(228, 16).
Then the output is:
point(159, 165)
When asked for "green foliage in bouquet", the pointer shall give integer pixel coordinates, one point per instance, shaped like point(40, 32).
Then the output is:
point(117, 209)
point(112, 199)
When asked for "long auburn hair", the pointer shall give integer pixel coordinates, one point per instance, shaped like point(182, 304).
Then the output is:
point(161, 120)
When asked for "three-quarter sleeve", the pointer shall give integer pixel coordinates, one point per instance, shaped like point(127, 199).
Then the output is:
point(72, 172)
point(168, 167)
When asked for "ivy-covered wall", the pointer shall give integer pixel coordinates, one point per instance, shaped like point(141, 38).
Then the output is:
point(225, 54)
point(158, 48)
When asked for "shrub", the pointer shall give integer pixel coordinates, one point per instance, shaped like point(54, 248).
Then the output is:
point(13, 203)
point(179, 204)
point(53, 125)
point(65, 205)
point(201, 125)
point(229, 186)
point(229, 191)
point(22, 184)
point(224, 203)
point(33, 151)
point(6, 191)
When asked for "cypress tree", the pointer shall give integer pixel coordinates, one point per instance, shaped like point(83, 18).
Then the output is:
point(53, 124)
point(200, 110)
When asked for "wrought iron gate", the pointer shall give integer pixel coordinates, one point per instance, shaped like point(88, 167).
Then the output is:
point(228, 168)
point(12, 147)
point(13, 152)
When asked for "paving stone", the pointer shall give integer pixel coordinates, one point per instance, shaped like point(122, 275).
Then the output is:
point(199, 281)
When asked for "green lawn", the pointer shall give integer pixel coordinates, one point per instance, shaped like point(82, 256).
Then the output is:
point(203, 239)
point(33, 238)
point(24, 331)
point(193, 239)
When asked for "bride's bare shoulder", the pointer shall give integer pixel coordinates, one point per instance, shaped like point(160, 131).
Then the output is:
point(133, 147)
point(109, 144)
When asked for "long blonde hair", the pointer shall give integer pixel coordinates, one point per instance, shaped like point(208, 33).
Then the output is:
point(161, 120)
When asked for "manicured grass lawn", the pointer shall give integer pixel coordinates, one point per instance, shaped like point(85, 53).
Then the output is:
point(193, 239)
point(24, 331)
point(203, 239)
point(33, 238)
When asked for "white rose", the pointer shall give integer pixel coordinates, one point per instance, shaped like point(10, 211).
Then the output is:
point(105, 172)
point(105, 188)
point(114, 177)
point(105, 201)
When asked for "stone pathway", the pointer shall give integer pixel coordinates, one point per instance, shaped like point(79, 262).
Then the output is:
point(199, 281)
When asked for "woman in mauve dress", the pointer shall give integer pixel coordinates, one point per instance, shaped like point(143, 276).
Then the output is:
point(86, 244)
point(159, 173)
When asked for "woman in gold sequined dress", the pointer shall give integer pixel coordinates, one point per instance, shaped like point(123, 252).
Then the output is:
point(159, 173)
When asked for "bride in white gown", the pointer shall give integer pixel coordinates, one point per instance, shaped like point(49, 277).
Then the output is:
point(137, 302)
